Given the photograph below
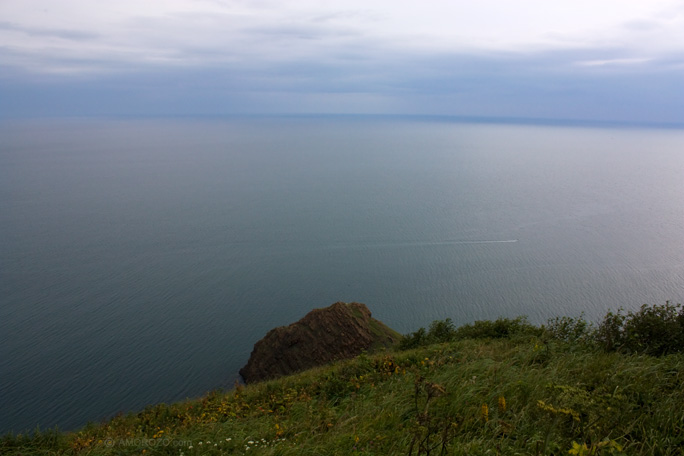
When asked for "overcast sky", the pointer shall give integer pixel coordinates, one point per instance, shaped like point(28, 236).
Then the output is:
point(573, 59)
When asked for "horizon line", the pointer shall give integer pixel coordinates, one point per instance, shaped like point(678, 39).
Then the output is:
point(456, 118)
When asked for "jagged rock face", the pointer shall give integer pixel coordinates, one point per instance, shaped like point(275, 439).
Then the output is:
point(324, 335)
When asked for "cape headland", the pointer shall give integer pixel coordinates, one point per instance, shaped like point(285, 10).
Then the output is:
point(504, 386)
point(340, 331)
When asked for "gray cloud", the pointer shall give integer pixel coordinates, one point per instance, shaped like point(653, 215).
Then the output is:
point(642, 25)
point(540, 85)
point(64, 34)
point(367, 15)
point(221, 61)
point(297, 32)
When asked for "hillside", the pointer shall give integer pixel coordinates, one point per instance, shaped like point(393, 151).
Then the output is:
point(503, 387)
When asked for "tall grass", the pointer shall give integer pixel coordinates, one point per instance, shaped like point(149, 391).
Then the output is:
point(502, 387)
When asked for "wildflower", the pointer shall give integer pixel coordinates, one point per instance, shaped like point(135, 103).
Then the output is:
point(435, 390)
point(484, 412)
point(502, 404)
point(578, 449)
point(200, 443)
point(228, 439)
point(189, 447)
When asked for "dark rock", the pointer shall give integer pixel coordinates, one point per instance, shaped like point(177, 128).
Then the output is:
point(337, 332)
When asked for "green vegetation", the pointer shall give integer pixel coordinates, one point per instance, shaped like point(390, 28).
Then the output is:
point(495, 387)
point(444, 331)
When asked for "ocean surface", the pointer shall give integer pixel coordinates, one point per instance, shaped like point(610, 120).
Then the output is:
point(140, 260)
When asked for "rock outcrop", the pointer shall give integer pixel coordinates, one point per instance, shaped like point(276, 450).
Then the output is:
point(324, 335)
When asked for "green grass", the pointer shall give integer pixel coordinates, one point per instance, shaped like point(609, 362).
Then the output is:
point(519, 393)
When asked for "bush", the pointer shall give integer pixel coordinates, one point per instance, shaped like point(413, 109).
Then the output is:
point(444, 331)
point(654, 330)
point(501, 328)
point(609, 332)
point(413, 340)
point(569, 329)
point(440, 331)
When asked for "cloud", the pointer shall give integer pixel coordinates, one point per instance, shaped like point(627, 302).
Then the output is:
point(515, 58)
point(632, 61)
point(177, 32)
point(292, 33)
point(64, 34)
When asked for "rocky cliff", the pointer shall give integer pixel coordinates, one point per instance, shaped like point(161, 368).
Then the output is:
point(324, 335)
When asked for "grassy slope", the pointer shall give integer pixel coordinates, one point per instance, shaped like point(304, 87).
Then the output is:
point(504, 396)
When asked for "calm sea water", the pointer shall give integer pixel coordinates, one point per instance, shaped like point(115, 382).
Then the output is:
point(141, 260)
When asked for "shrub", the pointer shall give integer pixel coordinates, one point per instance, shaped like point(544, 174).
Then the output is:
point(501, 328)
point(444, 331)
point(413, 340)
point(569, 329)
point(654, 330)
point(440, 331)
point(609, 332)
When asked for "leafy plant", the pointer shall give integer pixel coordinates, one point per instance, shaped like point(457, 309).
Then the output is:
point(442, 331)
point(569, 329)
point(498, 329)
point(653, 330)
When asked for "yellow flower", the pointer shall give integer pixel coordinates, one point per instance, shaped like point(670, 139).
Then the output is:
point(484, 412)
point(579, 449)
point(502, 404)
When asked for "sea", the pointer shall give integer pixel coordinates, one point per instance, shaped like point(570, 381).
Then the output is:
point(141, 259)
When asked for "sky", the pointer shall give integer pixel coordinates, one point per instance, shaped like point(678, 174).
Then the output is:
point(613, 60)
